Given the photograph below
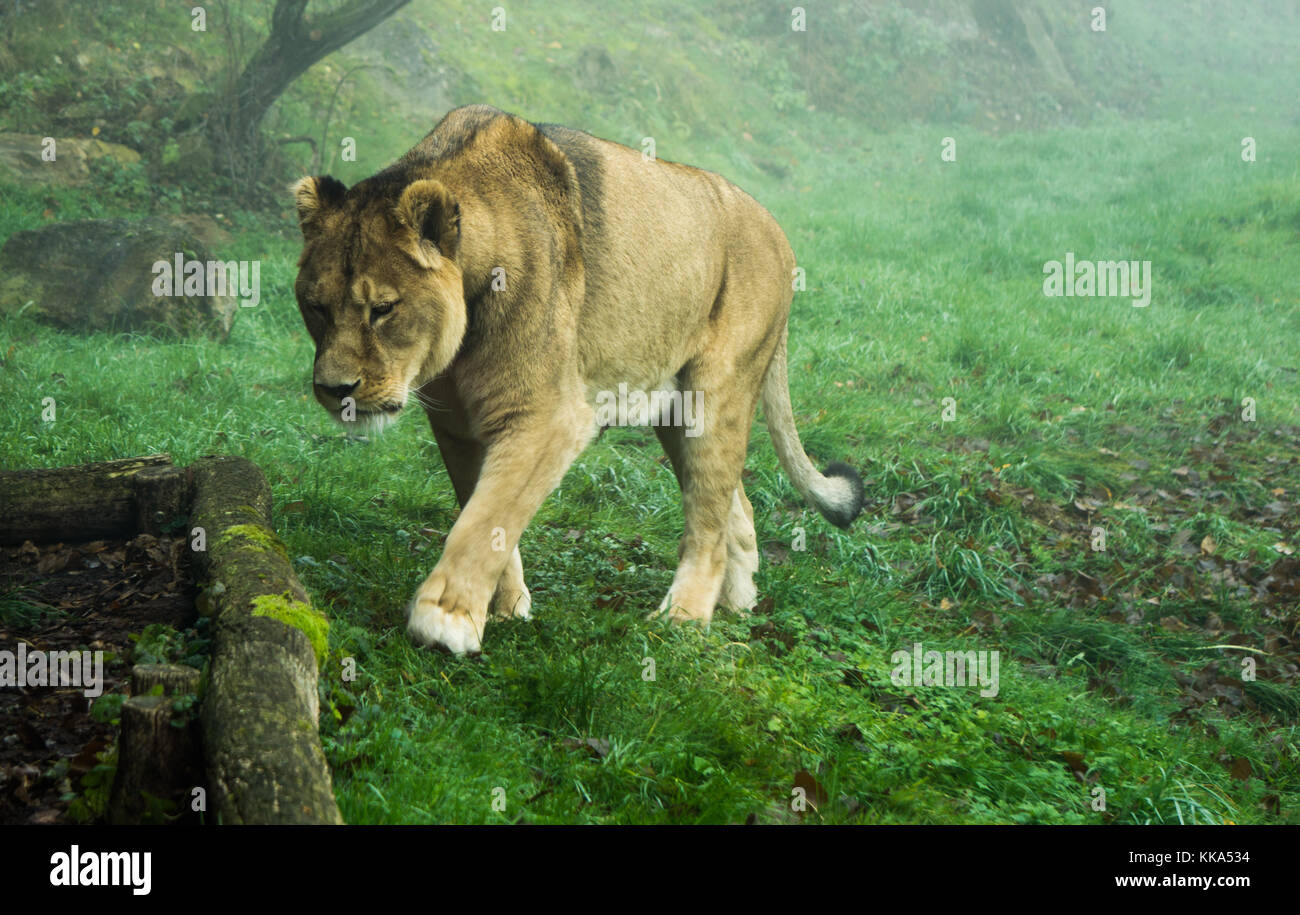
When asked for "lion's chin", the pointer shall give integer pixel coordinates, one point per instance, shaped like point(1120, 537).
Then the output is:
point(372, 422)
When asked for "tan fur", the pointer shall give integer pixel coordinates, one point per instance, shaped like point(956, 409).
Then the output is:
point(608, 269)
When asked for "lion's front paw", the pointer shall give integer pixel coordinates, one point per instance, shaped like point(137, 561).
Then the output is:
point(435, 619)
point(677, 613)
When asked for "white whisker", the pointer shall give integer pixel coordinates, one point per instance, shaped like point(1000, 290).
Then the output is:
point(428, 402)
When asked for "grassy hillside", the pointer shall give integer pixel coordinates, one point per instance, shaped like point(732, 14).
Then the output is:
point(1121, 669)
point(728, 85)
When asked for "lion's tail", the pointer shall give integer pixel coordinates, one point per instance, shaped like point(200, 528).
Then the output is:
point(838, 493)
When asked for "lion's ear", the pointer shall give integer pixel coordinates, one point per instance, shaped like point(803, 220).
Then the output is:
point(427, 208)
point(315, 197)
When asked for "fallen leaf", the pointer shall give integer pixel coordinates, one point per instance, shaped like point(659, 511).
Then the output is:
point(597, 747)
point(45, 816)
point(813, 790)
point(88, 758)
point(1182, 543)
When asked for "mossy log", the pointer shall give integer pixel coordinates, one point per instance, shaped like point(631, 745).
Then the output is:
point(101, 501)
point(260, 710)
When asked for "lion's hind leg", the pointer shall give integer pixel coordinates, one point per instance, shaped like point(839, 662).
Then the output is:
point(718, 553)
point(738, 589)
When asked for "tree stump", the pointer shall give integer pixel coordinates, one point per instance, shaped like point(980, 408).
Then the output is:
point(159, 755)
point(162, 495)
point(175, 679)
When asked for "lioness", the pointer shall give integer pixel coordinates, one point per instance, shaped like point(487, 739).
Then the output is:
point(511, 275)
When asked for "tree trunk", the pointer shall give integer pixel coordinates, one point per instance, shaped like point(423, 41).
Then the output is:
point(295, 43)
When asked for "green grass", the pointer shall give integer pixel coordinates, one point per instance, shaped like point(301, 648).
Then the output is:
point(924, 283)
point(18, 608)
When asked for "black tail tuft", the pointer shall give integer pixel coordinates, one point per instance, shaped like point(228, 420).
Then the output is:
point(842, 512)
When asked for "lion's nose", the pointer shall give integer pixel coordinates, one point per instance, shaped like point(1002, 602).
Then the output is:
point(339, 391)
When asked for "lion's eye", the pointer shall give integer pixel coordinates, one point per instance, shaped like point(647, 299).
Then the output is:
point(378, 311)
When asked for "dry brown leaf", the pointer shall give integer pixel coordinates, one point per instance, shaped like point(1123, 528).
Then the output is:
point(813, 790)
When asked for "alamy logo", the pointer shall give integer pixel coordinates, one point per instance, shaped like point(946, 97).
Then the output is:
point(53, 668)
point(946, 668)
point(210, 278)
point(103, 868)
point(1126, 279)
point(658, 408)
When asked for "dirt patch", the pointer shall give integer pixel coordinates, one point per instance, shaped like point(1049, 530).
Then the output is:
point(76, 597)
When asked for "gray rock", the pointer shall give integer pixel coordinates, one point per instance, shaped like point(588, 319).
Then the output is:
point(21, 158)
point(98, 275)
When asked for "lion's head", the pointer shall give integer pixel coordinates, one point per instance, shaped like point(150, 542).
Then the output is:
point(379, 290)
